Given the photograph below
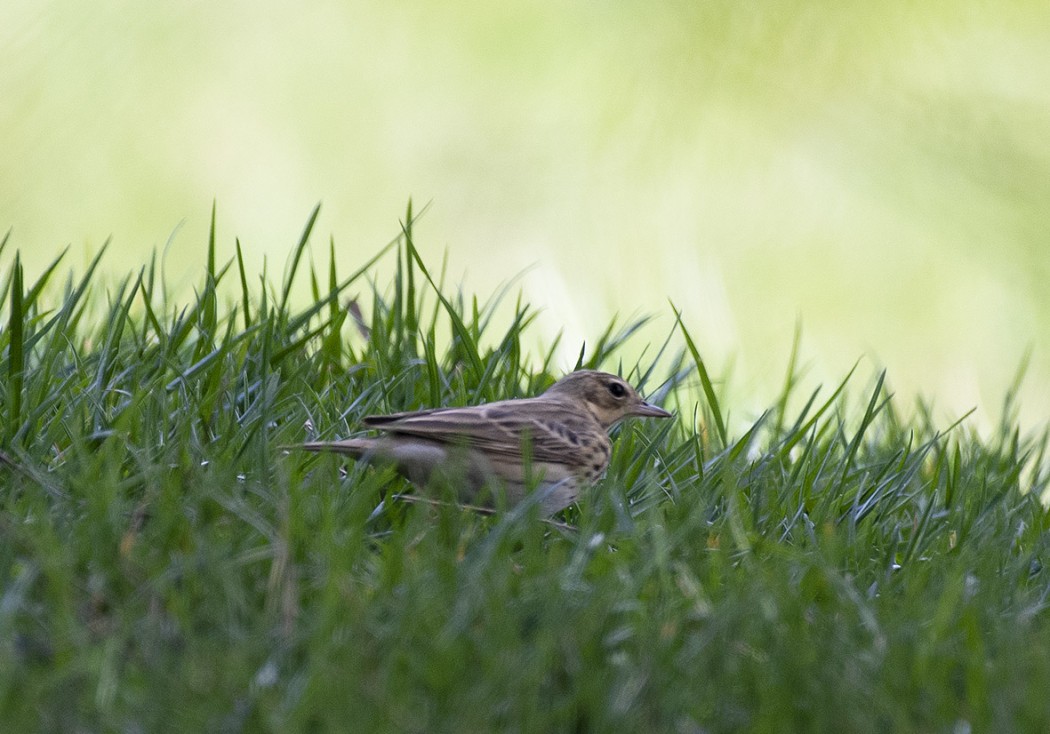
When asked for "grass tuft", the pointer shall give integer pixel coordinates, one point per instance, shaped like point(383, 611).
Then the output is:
point(832, 566)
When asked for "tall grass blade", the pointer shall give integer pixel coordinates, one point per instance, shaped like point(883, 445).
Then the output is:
point(15, 351)
point(705, 380)
point(468, 346)
point(297, 255)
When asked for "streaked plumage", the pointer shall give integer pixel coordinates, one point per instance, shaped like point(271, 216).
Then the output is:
point(564, 433)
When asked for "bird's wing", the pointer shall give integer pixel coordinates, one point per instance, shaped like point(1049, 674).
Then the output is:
point(551, 430)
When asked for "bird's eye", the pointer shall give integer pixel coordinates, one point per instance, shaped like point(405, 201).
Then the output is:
point(617, 390)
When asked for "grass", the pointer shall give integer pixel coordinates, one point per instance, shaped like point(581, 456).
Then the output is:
point(836, 566)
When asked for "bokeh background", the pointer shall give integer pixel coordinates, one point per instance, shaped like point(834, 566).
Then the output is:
point(878, 172)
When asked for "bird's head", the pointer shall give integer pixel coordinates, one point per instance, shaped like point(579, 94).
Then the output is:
point(608, 397)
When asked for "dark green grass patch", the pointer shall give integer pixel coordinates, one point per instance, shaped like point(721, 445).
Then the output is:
point(164, 566)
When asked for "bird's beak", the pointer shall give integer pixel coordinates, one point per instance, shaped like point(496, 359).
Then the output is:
point(649, 410)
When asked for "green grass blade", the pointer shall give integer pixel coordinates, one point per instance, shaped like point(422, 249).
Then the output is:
point(15, 351)
point(705, 380)
point(297, 255)
point(246, 311)
point(468, 347)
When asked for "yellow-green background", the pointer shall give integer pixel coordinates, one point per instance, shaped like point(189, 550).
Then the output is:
point(879, 171)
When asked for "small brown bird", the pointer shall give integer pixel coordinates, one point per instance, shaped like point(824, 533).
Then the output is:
point(557, 442)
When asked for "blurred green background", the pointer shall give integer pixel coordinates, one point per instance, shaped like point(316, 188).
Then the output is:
point(879, 172)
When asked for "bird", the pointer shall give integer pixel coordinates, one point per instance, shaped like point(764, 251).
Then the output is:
point(555, 444)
